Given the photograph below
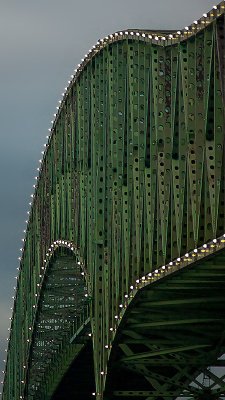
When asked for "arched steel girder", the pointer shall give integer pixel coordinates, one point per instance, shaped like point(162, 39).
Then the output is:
point(151, 318)
point(171, 332)
point(62, 321)
point(133, 174)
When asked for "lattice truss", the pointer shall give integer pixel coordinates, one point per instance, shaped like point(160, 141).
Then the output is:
point(62, 307)
point(133, 178)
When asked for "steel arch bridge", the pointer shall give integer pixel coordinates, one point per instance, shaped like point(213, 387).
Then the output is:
point(121, 290)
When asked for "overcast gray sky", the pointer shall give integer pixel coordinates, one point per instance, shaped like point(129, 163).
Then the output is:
point(41, 42)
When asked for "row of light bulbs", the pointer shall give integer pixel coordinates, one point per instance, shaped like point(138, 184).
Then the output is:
point(171, 267)
point(56, 244)
point(87, 58)
point(92, 52)
point(180, 262)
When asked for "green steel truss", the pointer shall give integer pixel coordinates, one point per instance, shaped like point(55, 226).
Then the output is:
point(131, 182)
point(63, 311)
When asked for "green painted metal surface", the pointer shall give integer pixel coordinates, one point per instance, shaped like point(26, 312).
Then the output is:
point(132, 178)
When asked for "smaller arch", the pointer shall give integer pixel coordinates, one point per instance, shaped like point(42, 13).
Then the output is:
point(62, 321)
point(171, 330)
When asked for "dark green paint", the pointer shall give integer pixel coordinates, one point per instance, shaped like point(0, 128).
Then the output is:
point(133, 177)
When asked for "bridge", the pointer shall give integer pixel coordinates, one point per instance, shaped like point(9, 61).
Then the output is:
point(121, 288)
